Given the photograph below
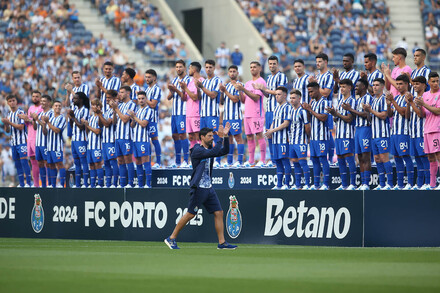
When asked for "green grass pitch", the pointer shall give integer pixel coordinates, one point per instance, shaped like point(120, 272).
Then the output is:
point(40, 265)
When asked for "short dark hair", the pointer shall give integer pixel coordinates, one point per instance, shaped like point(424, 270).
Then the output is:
point(197, 65)
point(282, 88)
point(210, 62)
point(47, 97)
point(371, 56)
point(420, 79)
point(84, 99)
point(313, 84)
point(131, 72)
point(322, 56)
point(364, 82)
point(56, 101)
point(141, 93)
point(112, 93)
point(273, 57)
point(152, 72)
point(349, 55)
point(299, 61)
point(399, 51)
point(204, 131)
point(109, 63)
point(381, 80)
point(76, 72)
point(126, 88)
point(296, 92)
point(346, 81)
point(36, 92)
point(180, 61)
point(403, 77)
point(255, 62)
point(432, 75)
point(421, 51)
point(12, 96)
point(233, 67)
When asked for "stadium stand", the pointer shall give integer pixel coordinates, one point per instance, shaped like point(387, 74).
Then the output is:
point(431, 21)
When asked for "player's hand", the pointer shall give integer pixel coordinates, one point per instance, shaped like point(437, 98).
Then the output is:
point(364, 75)
point(268, 133)
point(113, 104)
point(335, 74)
point(312, 78)
point(45, 118)
point(367, 108)
point(346, 106)
point(238, 86)
point(226, 129)
point(5, 121)
point(98, 83)
point(389, 96)
point(34, 116)
point(71, 113)
point(419, 102)
point(98, 110)
point(386, 69)
point(222, 88)
point(131, 113)
point(409, 97)
point(182, 85)
point(23, 116)
point(199, 84)
point(68, 87)
point(330, 110)
point(172, 87)
point(306, 106)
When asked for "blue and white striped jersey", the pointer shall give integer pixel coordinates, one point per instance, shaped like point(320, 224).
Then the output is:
point(82, 88)
point(113, 83)
point(179, 106)
point(344, 129)
point(297, 126)
point(208, 106)
point(400, 123)
point(274, 81)
point(134, 90)
point(372, 76)
point(319, 129)
point(108, 132)
point(366, 100)
point(379, 128)
point(123, 130)
point(154, 93)
point(352, 75)
point(424, 71)
point(231, 110)
point(55, 140)
point(416, 124)
point(140, 134)
point(77, 133)
point(326, 81)
point(41, 138)
point(301, 85)
point(281, 114)
point(94, 141)
point(18, 137)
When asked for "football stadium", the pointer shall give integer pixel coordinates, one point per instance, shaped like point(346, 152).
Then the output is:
point(215, 146)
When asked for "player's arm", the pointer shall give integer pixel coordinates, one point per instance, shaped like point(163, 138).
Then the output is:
point(320, 116)
point(389, 81)
point(53, 127)
point(103, 121)
point(346, 118)
point(6, 124)
point(400, 110)
point(283, 125)
point(432, 109)
point(379, 114)
point(232, 97)
point(152, 103)
point(254, 96)
point(211, 94)
point(307, 129)
point(96, 131)
point(44, 127)
point(141, 122)
point(19, 126)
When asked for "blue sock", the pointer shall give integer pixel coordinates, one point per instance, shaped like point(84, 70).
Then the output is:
point(123, 174)
point(178, 148)
point(400, 169)
point(343, 171)
point(140, 174)
point(147, 168)
point(108, 173)
point(426, 170)
point(420, 173)
point(19, 168)
point(331, 147)
point(53, 174)
point(115, 168)
point(130, 168)
point(367, 175)
point(280, 172)
point(269, 140)
point(240, 152)
point(62, 176)
point(352, 168)
point(389, 172)
point(287, 171)
point(69, 129)
point(77, 172)
point(93, 178)
point(306, 170)
point(100, 174)
point(185, 149)
point(325, 170)
point(316, 171)
point(409, 165)
point(231, 153)
point(26, 170)
point(381, 172)
point(43, 176)
point(158, 151)
point(298, 173)
point(85, 169)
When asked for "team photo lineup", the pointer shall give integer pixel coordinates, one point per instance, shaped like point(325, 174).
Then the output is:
point(372, 114)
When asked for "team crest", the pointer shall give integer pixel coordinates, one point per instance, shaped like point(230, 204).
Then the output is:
point(37, 215)
point(231, 180)
point(233, 218)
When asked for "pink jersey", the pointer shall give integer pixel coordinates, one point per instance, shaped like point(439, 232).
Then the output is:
point(395, 73)
point(192, 107)
point(252, 108)
point(432, 122)
point(31, 132)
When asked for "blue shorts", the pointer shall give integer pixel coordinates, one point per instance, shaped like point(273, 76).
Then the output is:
point(330, 122)
point(108, 151)
point(94, 156)
point(19, 152)
point(54, 157)
point(235, 126)
point(79, 149)
point(123, 147)
point(178, 124)
point(319, 148)
point(298, 151)
point(152, 129)
point(344, 146)
point(416, 147)
point(142, 149)
point(41, 153)
point(269, 120)
point(399, 145)
point(205, 196)
point(380, 145)
point(280, 151)
point(362, 140)
point(210, 122)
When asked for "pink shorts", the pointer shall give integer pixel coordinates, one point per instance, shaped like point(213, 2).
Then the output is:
point(253, 125)
point(192, 124)
point(31, 148)
point(431, 142)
